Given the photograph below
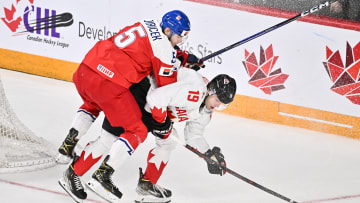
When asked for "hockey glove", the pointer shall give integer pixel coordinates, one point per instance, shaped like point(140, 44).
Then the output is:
point(189, 60)
point(215, 161)
point(162, 130)
point(196, 67)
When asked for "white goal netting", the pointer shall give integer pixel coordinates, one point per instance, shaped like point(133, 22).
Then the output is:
point(20, 149)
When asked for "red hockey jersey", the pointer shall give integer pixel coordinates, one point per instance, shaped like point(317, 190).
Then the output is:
point(133, 53)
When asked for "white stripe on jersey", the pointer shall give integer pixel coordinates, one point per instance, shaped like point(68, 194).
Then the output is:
point(161, 46)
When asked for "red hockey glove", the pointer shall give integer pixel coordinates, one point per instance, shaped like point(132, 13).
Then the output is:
point(215, 162)
point(189, 60)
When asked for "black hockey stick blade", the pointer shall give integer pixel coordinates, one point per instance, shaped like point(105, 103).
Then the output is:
point(229, 171)
point(302, 14)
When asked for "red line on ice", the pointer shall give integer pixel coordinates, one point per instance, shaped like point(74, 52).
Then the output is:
point(44, 190)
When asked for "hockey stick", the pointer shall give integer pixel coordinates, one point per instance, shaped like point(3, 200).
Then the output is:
point(207, 159)
point(302, 14)
point(201, 155)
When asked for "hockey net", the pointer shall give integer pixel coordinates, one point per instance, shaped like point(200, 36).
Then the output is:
point(20, 149)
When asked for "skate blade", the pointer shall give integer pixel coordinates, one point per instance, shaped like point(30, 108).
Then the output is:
point(96, 187)
point(62, 159)
point(63, 184)
point(151, 199)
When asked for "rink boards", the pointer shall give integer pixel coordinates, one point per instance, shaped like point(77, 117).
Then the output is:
point(294, 75)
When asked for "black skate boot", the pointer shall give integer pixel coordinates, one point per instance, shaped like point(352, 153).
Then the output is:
point(148, 192)
point(71, 183)
point(102, 184)
point(69, 143)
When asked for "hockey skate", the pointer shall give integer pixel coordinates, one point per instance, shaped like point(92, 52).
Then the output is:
point(149, 193)
point(66, 150)
point(71, 183)
point(102, 185)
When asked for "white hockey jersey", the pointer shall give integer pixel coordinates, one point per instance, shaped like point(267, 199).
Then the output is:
point(181, 101)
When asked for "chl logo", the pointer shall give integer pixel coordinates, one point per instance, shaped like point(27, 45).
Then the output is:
point(34, 19)
point(345, 77)
point(261, 73)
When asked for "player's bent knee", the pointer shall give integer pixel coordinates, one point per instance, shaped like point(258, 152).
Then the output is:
point(139, 130)
point(135, 134)
point(166, 144)
point(107, 139)
point(116, 131)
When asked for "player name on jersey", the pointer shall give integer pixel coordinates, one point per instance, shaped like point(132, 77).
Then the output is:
point(180, 114)
point(154, 31)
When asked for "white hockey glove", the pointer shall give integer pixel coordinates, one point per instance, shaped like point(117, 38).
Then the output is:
point(215, 162)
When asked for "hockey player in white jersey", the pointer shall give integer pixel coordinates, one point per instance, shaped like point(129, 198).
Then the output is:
point(189, 100)
point(175, 26)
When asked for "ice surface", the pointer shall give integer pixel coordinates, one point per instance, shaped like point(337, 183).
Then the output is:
point(303, 165)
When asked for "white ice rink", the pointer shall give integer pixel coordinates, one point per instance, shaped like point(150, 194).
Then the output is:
point(303, 165)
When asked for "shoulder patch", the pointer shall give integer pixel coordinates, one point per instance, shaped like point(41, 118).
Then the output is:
point(105, 71)
point(166, 71)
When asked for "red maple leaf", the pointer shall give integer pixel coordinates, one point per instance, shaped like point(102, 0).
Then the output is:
point(155, 166)
point(9, 14)
point(13, 24)
point(83, 165)
point(345, 78)
point(159, 114)
point(9, 21)
point(170, 114)
point(261, 73)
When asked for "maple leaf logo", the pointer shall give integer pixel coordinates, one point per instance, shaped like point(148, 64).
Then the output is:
point(156, 162)
point(345, 78)
point(261, 74)
point(85, 162)
point(159, 114)
point(22, 17)
point(9, 19)
point(157, 159)
point(170, 114)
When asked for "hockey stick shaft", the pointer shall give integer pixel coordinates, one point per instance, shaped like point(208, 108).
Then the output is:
point(201, 155)
point(302, 14)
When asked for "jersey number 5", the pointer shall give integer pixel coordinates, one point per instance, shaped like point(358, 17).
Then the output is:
point(193, 96)
point(128, 37)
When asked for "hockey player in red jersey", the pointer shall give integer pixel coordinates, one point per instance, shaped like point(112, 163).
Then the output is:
point(103, 80)
point(192, 100)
